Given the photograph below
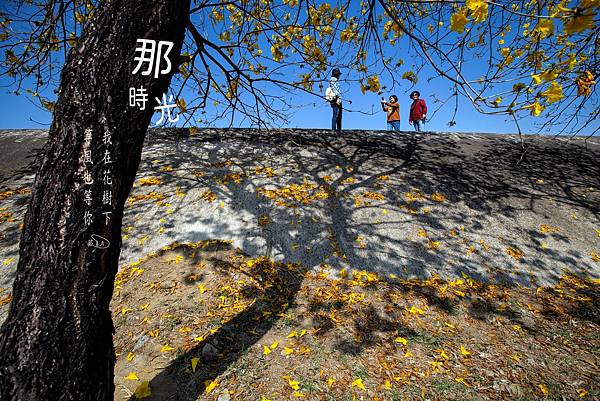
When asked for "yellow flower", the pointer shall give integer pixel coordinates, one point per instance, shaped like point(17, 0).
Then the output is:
point(277, 54)
point(545, 229)
point(217, 15)
point(548, 75)
point(294, 384)
point(458, 21)
point(347, 34)
point(545, 28)
point(437, 197)
point(373, 82)
point(166, 348)
point(194, 362)
point(143, 391)
point(579, 23)
point(478, 9)
point(210, 385)
point(414, 310)
point(462, 380)
point(584, 82)
point(150, 181)
point(358, 383)
point(131, 376)
point(433, 245)
point(535, 108)
point(515, 252)
point(582, 392)
point(554, 93)
point(589, 4)
point(401, 340)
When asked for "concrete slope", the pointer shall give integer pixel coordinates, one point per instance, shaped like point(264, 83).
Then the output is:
point(412, 205)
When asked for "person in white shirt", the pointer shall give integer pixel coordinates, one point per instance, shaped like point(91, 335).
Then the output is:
point(336, 100)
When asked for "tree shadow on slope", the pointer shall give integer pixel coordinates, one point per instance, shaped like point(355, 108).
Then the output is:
point(485, 180)
point(495, 172)
point(274, 287)
point(21, 158)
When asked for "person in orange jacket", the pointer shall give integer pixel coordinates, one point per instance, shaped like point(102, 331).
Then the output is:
point(418, 111)
point(392, 108)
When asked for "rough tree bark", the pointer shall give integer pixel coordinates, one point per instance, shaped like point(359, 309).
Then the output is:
point(56, 343)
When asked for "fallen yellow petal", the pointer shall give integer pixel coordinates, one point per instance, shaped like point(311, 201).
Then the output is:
point(401, 340)
point(415, 311)
point(443, 354)
point(132, 376)
point(358, 383)
point(143, 390)
point(461, 380)
point(295, 385)
point(194, 363)
point(210, 385)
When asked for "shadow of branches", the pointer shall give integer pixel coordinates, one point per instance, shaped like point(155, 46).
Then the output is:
point(360, 200)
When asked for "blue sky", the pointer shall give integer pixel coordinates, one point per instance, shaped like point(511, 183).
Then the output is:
point(22, 112)
point(312, 112)
point(364, 113)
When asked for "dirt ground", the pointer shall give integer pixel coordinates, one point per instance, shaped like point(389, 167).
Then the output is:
point(204, 321)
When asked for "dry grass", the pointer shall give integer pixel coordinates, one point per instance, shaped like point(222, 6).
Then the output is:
point(279, 332)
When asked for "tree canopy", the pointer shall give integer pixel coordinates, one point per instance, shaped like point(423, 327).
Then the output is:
point(250, 57)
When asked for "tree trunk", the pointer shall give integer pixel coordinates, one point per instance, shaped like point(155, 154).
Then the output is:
point(56, 343)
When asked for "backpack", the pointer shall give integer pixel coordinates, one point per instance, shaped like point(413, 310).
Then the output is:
point(329, 95)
